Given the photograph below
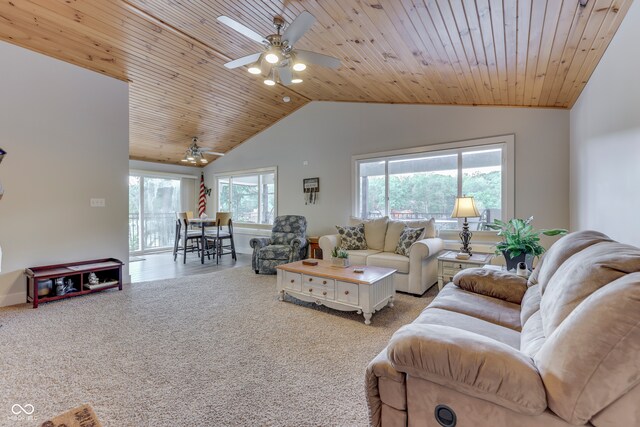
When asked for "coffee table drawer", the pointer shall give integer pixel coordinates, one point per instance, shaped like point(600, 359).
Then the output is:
point(320, 291)
point(317, 281)
point(293, 280)
point(347, 292)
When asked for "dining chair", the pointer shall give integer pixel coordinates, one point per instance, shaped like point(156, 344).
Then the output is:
point(218, 236)
point(190, 239)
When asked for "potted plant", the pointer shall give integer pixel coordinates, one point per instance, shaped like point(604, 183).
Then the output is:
point(520, 241)
point(340, 257)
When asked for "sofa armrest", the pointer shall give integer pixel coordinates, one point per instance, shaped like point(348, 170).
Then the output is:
point(469, 363)
point(425, 248)
point(299, 243)
point(497, 284)
point(259, 242)
point(327, 243)
point(384, 385)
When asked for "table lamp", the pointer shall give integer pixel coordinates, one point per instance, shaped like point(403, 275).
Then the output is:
point(465, 207)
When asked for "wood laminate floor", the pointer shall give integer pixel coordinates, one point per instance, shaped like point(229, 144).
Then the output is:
point(162, 266)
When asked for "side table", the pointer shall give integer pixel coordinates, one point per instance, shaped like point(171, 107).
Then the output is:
point(449, 265)
point(314, 247)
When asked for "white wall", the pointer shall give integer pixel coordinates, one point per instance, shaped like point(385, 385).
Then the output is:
point(327, 134)
point(66, 131)
point(605, 140)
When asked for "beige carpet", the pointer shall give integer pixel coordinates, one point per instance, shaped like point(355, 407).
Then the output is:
point(209, 350)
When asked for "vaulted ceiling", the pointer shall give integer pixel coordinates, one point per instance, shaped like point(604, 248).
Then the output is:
point(466, 52)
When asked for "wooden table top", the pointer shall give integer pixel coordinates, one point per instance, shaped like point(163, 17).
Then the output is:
point(199, 221)
point(326, 269)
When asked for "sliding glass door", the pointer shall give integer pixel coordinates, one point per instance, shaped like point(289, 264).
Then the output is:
point(153, 203)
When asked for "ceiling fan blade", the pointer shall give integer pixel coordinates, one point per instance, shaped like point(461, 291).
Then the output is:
point(317, 58)
point(298, 27)
point(214, 153)
point(245, 31)
point(245, 60)
point(285, 75)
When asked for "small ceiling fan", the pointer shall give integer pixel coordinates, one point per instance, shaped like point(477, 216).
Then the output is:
point(279, 61)
point(195, 153)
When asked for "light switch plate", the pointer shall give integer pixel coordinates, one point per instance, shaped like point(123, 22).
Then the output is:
point(97, 203)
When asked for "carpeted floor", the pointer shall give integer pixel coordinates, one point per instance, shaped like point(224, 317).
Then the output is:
point(209, 350)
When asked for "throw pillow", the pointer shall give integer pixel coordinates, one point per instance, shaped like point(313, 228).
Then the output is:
point(428, 224)
point(352, 238)
point(407, 238)
point(375, 231)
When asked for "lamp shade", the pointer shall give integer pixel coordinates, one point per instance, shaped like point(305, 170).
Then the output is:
point(465, 207)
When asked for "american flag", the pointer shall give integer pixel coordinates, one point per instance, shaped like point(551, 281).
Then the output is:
point(202, 201)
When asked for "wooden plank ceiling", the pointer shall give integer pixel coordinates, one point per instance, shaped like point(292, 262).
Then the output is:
point(464, 52)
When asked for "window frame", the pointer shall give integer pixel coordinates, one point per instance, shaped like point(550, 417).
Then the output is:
point(507, 142)
point(247, 172)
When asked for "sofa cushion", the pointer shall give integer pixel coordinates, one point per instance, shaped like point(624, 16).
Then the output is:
point(489, 309)
point(394, 230)
point(375, 231)
point(532, 335)
point(428, 224)
point(496, 284)
point(281, 252)
point(407, 238)
point(530, 303)
point(592, 357)
point(352, 237)
point(281, 238)
point(583, 274)
point(385, 259)
point(561, 251)
point(437, 316)
point(359, 257)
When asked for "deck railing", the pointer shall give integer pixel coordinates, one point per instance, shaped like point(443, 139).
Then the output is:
point(159, 230)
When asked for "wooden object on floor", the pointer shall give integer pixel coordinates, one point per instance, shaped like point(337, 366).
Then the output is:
point(449, 265)
point(108, 270)
point(82, 416)
point(314, 247)
point(338, 288)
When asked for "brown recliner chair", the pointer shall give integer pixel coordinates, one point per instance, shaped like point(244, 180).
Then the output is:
point(494, 350)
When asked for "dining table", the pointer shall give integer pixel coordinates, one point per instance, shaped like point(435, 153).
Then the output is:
point(203, 223)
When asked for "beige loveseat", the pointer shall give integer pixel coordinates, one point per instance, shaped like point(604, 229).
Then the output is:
point(562, 349)
point(415, 273)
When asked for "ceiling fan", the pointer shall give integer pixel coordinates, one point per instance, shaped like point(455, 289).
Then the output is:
point(195, 153)
point(279, 61)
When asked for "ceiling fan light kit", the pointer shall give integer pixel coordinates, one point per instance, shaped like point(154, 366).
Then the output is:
point(282, 60)
point(195, 153)
point(255, 69)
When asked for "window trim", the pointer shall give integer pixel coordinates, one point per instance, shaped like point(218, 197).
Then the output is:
point(245, 172)
point(508, 160)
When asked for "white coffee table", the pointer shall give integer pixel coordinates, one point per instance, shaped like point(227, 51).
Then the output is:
point(338, 288)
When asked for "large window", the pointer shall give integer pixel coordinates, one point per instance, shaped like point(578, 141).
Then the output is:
point(250, 196)
point(153, 203)
point(424, 183)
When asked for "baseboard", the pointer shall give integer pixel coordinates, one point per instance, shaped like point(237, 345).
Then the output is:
point(13, 299)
